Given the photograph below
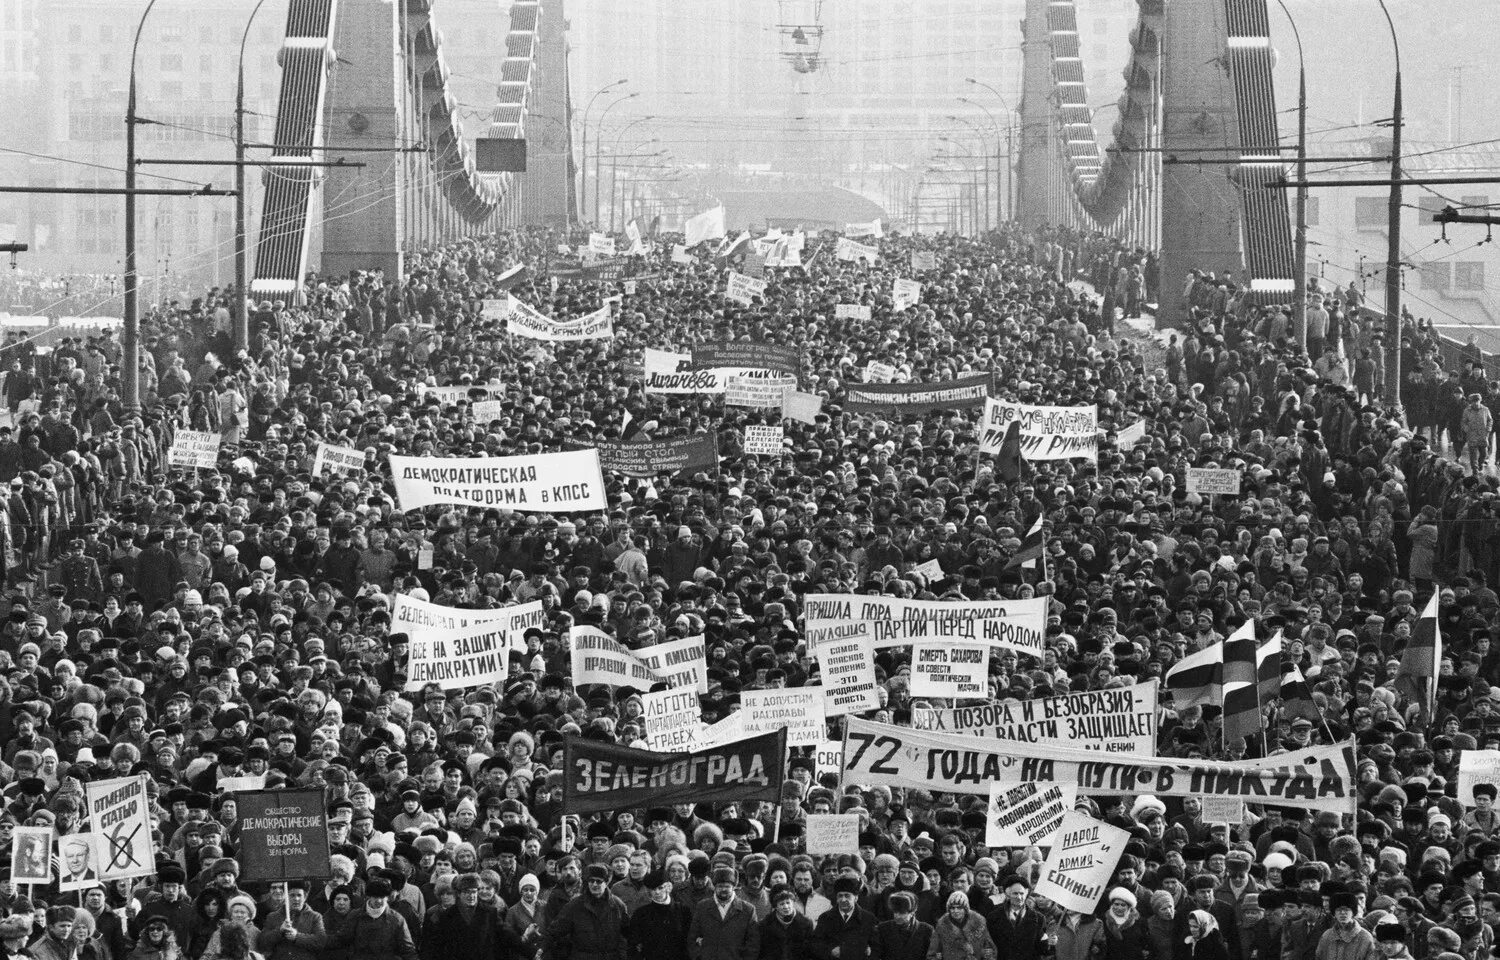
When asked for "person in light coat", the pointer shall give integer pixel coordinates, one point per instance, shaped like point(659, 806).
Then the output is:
point(960, 933)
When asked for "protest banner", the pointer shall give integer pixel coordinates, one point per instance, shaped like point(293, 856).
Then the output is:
point(252, 781)
point(846, 656)
point(877, 372)
point(668, 372)
point(1081, 863)
point(602, 244)
point(1475, 767)
point(78, 859)
point(869, 229)
point(798, 709)
point(599, 776)
point(198, 449)
point(119, 812)
point(524, 320)
point(966, 391)
point(647, 458)
point(283, 836)
point(851, 311)
point(681, 256)
point(1026, 814)
point(471, 658)
point(832, 833)
point(1047, 433)
point(747, 355)
point(566, 482)
point(484, 411)
point(421, 618)
point(465, 392)
point(755, 265)
point(931, 569)
point(1009, 624)
point(756, 392)
point(680, 663)
point(495, 308)
point(630, 288)
point(802, 407)
point(731, 729)
point(848, 251)
point(596, 657)
point(923, 260)
point(1319, 778)
point(338, 459)
point(31, 855)
point(1131, 435)
point(1230, 810)
point(671, 720)
point(947, 669)
point(764, 441)
point(1209, 480)
point(1115, 720)
point(828, 756)
point(743, 288)
point(905, 293)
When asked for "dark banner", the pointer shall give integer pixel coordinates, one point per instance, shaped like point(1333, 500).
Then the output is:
point(283, 836)
point(601, 776)
point(647, 458)
point(969, 391)
point(747, 354)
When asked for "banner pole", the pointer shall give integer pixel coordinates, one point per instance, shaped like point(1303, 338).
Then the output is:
point(776, 826)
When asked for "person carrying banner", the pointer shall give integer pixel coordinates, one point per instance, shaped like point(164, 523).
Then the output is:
point(292, 931)
point(592, 925)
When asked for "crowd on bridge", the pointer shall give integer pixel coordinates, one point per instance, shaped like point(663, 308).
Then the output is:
point(201, 626)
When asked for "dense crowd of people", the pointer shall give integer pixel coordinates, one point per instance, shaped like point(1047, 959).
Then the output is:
point(204, 625)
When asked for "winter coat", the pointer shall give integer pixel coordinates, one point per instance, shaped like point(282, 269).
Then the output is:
point(1022, 939)
point(967, 941)
point(386, 937)
point(1083, 942)
point(1126, 941)
point(735, 936)
point(854, 938)
point(786, 941)
point(1356, 943)
point(589, 928)
point(896, 941)
point(482, 936)
point(659, 931)
point(1210, 947)
point(308, 945)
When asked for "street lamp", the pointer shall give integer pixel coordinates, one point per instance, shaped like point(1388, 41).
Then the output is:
point(1393, 227)
point(599, 138)
point(1000, 164)
point(131, 375)
point(584, 166)
point(241, 270)
point(1299, 305)
point(618, 137)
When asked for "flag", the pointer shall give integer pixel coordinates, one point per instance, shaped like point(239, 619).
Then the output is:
point(1030, 550)
point(1296, 696)
point(1008, 460)
point(740, 242)
point(1131, 435)
point(708, 225)
point(511, 278)
point(1247, 668)
point(1198, 680)
point(1416, 680)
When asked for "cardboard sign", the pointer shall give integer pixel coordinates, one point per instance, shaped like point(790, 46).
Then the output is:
point(905, 293)
point(495, 309)
point(247, 782)
point(828, 757)
point(602, 244)
point(798, 709)
point(953, 670)
point(877, 372)
point(681, 663)
point(338, 459)
point(764, 441)
point(198, 449)
point(802, 407)
point(1081, 862)
point(1047, 433)
point(1026, 814)
point(1474, 767)
point(923, 260)
point(596, 657)
point(671, 720)
point(485, 411)
point(120, 813)
point(851, 311)
point(681, 256)
point(668, 372)
point(743, 289)
point(846, 657)
point(1230, 810)
point(1208, 480)
point(78, 861)
point(756, 392)
point(930, 569)
point(567, 482)
point(31, 855)
point(832, 833)
point(283, 836)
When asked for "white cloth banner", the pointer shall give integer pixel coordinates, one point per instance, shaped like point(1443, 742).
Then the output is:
point(708, 225)
point(799, 709)
point(681, 663)
point(877, 372)
point(194, 448)
point(671, 720)
point(633, 232)
point(744, 289)
point(923, 260)
point(566, 482)
point(596, 657)
point(1082, 861)
point(1115, 719)
point(668, 372)
point(1131, 435)
point(852, 311)
point(457, 648)
point(847, 661)
point(870, 229)
point(602, 244)
point(741, 390)
point(1026, 814)
point(1047, 433)
point(1017, 625)
point(764, 441)
point(905, 293)
point(1211, 480)
point(467, 392)
point(526, 321)
point(802, 407)
point(948, 669)
point(338, 459)
point(848, 251)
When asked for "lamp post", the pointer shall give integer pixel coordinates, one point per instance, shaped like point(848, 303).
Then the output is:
point(614, 174)
point(241, 318)
point(131, 375)
point(1000, 164)
point(599, 139)
point(1300, 268)
point(583, 201)
point(985, 158)
point(618, 137)
point(1393, 226)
